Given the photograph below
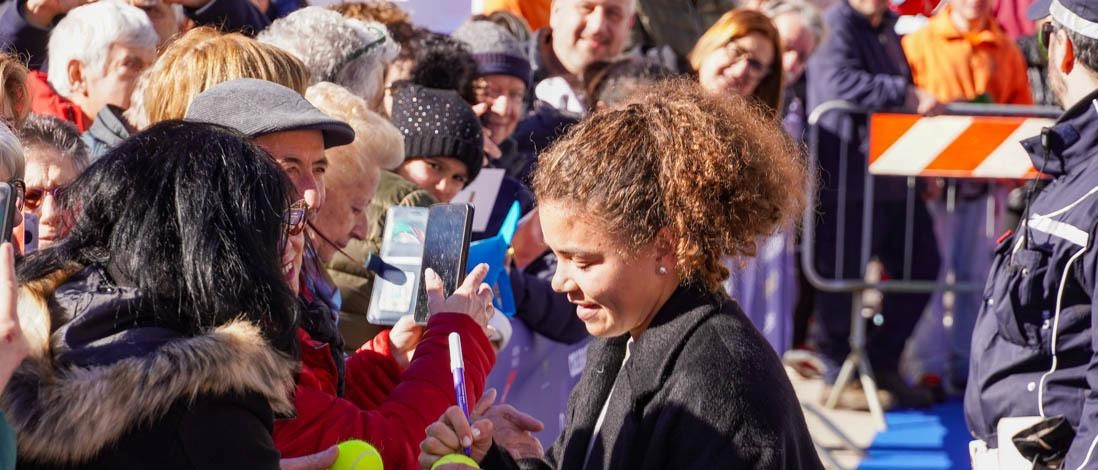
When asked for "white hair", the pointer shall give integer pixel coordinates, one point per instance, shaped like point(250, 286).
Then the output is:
point(346, 51)
point(12, 163)
point(808, 13)
point(86, 34)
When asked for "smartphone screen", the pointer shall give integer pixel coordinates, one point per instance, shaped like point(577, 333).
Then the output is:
point(402, 248)
point(7, 211)
point(445, 249)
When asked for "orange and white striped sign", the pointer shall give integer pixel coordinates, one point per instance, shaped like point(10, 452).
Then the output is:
point(951, 146)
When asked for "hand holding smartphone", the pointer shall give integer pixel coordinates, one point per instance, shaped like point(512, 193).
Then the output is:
point(7, 211)
point(445, 250)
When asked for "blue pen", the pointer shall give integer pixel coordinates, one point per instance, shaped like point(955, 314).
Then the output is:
point(457, 368)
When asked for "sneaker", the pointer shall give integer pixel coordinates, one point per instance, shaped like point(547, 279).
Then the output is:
point(906, 395)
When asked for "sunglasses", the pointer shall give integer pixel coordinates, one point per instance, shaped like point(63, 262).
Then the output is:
point(294, 218)
point(34, 197)
point(20, 189)
point(1044, 36)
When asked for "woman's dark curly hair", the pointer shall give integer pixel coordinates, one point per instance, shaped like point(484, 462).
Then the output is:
point(716, 171)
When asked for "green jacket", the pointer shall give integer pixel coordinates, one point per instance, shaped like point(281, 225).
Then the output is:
point(355, 283)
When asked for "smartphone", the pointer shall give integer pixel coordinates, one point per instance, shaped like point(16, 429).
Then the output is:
point(445, 249)
point(7, 211)
point(402, 249)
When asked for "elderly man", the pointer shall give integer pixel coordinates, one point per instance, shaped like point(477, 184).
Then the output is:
point(96, 54)
point(1034, 362)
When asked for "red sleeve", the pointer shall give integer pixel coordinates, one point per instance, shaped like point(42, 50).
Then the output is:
point(396, 427)
point(372, 373)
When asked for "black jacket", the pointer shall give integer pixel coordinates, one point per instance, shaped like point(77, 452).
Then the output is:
point(702, 389)
point(107, 388)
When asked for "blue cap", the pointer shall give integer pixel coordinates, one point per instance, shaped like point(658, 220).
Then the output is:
point(1080, 16)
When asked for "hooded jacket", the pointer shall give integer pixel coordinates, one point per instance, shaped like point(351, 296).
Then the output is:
point(105, 386)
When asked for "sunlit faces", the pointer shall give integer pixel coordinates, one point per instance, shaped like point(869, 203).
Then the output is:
point(47, 170)
point(798, 43)
point(739, 66)
point(586, 31)
point(614, 292)
point(300, 153)
point(504, 96)
point(115, 83)
point(343, 216)
point(443, 177)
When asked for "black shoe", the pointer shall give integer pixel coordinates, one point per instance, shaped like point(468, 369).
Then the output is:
point(906, 396)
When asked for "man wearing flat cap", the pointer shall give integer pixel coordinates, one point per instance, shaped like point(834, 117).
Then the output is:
point(1032, 396)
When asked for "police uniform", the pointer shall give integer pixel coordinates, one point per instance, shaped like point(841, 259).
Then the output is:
point(1033, 348)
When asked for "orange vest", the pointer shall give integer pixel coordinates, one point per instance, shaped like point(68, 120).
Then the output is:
point(975, 66)
point(535, 12)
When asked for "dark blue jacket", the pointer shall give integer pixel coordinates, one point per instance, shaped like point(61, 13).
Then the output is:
point(17, 36)
point(1041, 291)
point(864, 65)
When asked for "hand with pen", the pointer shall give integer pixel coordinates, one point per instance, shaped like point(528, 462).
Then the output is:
point(511, 429)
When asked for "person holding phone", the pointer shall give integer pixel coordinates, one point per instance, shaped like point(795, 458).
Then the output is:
point(640, 203)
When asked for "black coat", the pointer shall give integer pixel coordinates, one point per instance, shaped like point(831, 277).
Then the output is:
point(103, 388)
point(702, 389)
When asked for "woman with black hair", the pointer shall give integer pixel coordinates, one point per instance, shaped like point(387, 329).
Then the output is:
point(161, 330)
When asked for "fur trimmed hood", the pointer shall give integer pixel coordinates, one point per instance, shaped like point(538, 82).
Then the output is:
point(68, 414)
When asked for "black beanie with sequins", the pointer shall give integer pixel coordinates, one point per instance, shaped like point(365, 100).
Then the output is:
point(438, 123)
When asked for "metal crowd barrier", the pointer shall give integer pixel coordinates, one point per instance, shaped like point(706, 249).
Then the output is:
point(1001, 163)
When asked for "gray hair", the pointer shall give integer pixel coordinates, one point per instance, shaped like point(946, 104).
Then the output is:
point(12, 163)
point(808, 13)
point(48, 131)
point(346, 51)
point(86, 34)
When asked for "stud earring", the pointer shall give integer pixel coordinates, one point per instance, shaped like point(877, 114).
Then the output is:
point(662, 270)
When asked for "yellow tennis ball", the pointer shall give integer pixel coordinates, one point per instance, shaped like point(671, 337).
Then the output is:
point(357, 455)
point(455, 458)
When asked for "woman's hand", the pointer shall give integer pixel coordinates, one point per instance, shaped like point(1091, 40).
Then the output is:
point(13, 345)
point(317, 461)
point(403, 339)
point(473, 297)
point(451, 434)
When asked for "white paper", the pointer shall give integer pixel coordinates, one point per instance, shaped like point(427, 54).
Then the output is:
point(482, 193)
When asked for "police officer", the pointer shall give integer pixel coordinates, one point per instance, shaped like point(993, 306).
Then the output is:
point(1033, 349)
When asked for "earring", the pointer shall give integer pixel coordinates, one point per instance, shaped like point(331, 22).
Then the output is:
point(662, 270)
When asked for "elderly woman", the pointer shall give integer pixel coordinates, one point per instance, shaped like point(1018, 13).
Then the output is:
point(348, 52)
point(678, 377)
point(55, 157)
point(739, 55)
point(170, 321)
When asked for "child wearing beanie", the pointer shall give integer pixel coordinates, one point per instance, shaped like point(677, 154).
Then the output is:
point(443, 140)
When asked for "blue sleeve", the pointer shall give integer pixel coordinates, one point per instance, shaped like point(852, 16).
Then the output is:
point(21, 38)
point(546, 312)
point(232, 16)
point(1082, 453)
point(836, 71)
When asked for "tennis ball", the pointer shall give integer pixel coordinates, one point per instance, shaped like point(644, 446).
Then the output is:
point(455, 458)
point(357, 455)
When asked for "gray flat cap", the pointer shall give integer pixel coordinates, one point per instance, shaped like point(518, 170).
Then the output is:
point(257, 107)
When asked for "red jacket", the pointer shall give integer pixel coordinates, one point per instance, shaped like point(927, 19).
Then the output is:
point(383, 405)
point(44, 100)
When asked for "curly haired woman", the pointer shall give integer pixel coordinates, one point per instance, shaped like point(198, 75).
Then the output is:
point(640, 203)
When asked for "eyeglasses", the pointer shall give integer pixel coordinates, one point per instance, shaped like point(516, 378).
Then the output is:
point(486, 91)
point(1044, 36)
point(20, 189)
point(294, 218)
point(34, 196)
point(755, 67)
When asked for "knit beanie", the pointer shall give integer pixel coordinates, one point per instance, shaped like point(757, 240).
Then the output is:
point(495, 49)
point(438, 123)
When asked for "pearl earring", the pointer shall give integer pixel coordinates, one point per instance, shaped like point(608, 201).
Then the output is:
point(662, 270)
